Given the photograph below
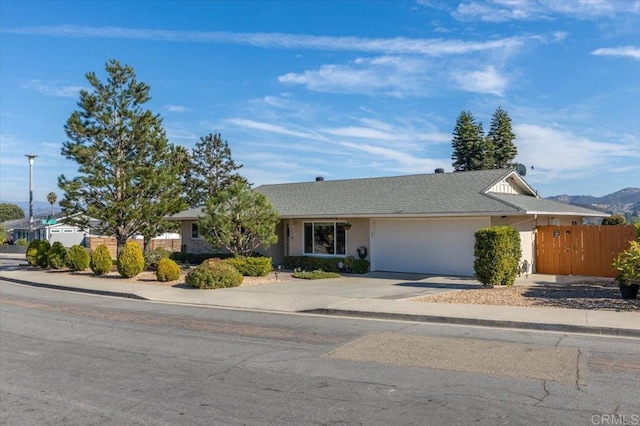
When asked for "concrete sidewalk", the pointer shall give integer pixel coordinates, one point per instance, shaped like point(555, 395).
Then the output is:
point(382, 296)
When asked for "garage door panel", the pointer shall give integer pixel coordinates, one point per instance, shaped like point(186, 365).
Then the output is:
point(434, 246)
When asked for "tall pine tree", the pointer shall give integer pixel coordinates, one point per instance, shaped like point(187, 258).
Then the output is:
point(500, 137)
point(470, 148)
point(127, 178)
point(211, 170)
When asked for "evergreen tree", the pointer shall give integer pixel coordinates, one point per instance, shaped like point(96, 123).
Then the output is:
point(500, 138)
point(212, 170)
point(239, 220)
point(10, 211)
point(470, 148)
point(127, 178)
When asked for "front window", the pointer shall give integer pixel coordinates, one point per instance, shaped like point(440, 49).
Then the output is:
point(325, 238)
point(194, 231)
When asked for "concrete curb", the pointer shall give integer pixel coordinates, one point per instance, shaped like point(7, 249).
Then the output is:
point(76, 289)
point(565, 328)
point(522, 325)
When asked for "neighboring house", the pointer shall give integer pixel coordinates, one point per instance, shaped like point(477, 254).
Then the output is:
point(417, 223)
point(48, 228)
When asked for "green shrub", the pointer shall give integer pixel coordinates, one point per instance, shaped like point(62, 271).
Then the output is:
point(57, 256)
point(497, 254)
point(22, 242)
point(130, 260)
point(168, 270)
point(42, 256)
point(251, 266)
point(360, 266)
point(32, 252)
point(214, 273)
point(315, 275)
point(628, 263)
point(327, 264)
point(101, 262)
point(197, 258)
point(77, 258)
point(152, 257)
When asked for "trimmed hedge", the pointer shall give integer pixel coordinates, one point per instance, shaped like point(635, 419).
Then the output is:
point(360, 266)
point(315, 275)
point(130, 260)
point(168, 270)
point(197, 258)
point(214, 273)
point(101, 262)
point(497, 254)
point(77, 258)
point(251, 266)
point(57, 256)
point(327, 264)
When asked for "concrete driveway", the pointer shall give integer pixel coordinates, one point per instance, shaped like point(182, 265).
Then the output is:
point(374, 285)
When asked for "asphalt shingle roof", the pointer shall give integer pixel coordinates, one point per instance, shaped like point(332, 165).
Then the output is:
point(460, 193)
point(544, 206)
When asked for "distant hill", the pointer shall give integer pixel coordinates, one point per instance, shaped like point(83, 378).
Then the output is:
point(40, 208)
point(625, 201)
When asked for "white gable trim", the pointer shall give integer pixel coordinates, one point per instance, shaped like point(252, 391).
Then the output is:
point(512, 184)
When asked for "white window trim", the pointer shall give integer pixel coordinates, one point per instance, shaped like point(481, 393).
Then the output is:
point(335, 223)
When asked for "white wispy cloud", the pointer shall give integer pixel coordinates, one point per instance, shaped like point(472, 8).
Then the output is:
point(53, 88)
point(395, 160)
point(407, 136)
point(395, 45)
point(623, 51)
point(532, 10)
point(555, 151)
point(272, 128)
point(390, 76)
point(487, 80)
point(176, 108)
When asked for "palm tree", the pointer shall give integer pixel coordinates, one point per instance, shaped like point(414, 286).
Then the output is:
point(52, 198)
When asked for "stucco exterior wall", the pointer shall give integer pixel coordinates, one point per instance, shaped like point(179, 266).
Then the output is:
point(190, 244)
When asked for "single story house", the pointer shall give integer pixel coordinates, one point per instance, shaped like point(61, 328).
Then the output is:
point(418, 223)
point(50, 228)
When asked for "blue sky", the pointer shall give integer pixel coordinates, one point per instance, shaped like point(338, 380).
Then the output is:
point(336, 88)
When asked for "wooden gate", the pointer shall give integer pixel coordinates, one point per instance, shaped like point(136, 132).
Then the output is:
point(581, 250)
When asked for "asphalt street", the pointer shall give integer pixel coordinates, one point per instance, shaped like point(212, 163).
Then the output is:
point(76, 359)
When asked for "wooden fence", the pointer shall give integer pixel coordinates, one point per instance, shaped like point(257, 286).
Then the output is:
point(168, 244)
point(581, 250)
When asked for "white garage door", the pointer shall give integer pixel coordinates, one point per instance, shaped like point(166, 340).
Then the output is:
point(432, 246)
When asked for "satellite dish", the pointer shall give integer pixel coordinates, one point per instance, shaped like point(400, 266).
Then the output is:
point(521, 169)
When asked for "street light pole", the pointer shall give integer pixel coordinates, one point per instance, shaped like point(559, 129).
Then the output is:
point(31, 157)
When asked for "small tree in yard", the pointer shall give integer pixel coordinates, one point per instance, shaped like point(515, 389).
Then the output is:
point(497, 254)
point(239, 220)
